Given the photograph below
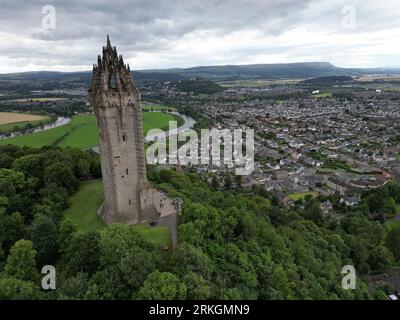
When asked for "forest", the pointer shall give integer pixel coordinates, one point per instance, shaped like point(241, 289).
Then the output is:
point(233, 243)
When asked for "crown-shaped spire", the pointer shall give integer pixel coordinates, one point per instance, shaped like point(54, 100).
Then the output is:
point(111, 71)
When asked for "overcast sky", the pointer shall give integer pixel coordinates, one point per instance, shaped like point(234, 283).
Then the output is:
point(183, 33)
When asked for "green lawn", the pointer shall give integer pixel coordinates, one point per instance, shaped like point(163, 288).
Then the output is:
point(82, 132)
point(83, 208)
point(157, 235)
point(298, 196)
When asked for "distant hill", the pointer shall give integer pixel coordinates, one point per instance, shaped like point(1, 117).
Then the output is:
point(304, 70)
point(85, 76)
point(45, 80)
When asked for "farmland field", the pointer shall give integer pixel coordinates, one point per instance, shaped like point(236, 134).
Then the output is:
point(371, 78)
point(157, 107)
point(35, 100)
point(14, 118)
point(15, 126)
point(82, 132)
point(257, 83)
point(322, 95)
point(11, 122)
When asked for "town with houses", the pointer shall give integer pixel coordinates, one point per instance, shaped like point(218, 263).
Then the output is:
point(307, 140)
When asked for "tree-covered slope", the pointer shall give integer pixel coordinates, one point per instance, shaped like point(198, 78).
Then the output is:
point(234, 244)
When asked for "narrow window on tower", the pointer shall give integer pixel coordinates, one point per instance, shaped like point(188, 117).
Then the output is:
point(126, 170)
point(112, 83)
point(123, 137)
point(129, 201)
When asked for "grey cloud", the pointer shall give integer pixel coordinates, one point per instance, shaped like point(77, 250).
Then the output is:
point(143, 26)
point(146, 19)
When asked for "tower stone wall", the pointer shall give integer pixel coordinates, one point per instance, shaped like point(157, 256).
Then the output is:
point(116, 103)
point(129, 197)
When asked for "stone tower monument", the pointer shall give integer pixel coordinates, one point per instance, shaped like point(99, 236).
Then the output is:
point(129, 197)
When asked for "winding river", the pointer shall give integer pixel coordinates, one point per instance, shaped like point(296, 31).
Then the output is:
point(58, 123)
point(188, 124)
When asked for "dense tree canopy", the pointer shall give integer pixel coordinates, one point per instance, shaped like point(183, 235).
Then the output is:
point(234, 243)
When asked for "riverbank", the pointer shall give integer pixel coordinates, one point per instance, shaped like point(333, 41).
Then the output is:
point(13, 123)
point(81, 132)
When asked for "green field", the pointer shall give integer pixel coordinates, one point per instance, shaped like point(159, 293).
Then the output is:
point(30, 99)
point(84, 205)
point(82, 132)
point(298, 196)
point(157, 107)
point(83, 208)
point(260, 83)
point(322, 95)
